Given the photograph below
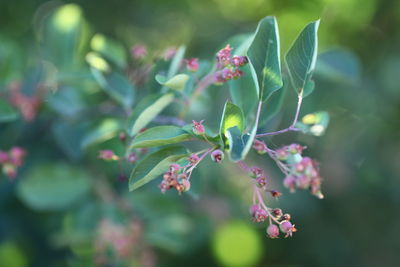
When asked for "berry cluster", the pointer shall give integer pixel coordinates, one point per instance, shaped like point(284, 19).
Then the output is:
point(11, 160)
point(303, 172)
point(229, 66)
point(177, 177)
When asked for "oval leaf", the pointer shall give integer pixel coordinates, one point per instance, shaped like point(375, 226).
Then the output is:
point(301, 58)
point(53, 187)
point(232, 116)
point(264, 58)
point(146, 111)
point(160, 136)
point(178, 82)
point(155, 165)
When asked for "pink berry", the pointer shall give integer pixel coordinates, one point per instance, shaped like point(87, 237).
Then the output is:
point(273, 231)
point(217, 155)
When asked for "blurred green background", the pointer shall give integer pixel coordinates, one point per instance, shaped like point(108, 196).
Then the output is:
point(357, 82)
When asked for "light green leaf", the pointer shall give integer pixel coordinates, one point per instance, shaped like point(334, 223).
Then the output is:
point(231, 116)
point(110, 49)
point(176, 62)
point(302, 57)
point(106, 130)
point(7, 112)
point(264, 58)
point(177, 82)
point(115, 85)
point(155, 165)
point(146, 111)
point(53, 187)
point(160, 136)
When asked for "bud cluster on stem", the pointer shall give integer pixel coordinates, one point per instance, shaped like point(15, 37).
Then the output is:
point(11, 160)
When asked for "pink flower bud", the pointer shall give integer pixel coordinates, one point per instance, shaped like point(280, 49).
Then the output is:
point(198, 127)
point(260, 146)
point(132, 157)
point(282, 153)
point(273, 231)
point(192, 64)
point(277, 212)
point(286, 217)
point(193, 159)
point(287, 228)
point(185, 185)
point(303, 182)
point(238, 61)
point(256, 172)
point(217, 155)
point(17, 155)
point(224, 55)
point(253, 209)
point(237, 73)
point(290, 182)
point(174, 168)
point(261, 181)
point(3, 157)
point(227, 74)
point(139, 51)
point(275, 193)
point(107, 155)
point(296, 149)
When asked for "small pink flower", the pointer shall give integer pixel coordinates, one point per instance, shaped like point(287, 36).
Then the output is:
point(224, 55)
point(273, 231)
point(277, 212)
point(139, 51)
point(239, 60)
point(107, 155)
point(198, 127)
point(192, 64)
point(290, 183)
point(287, 228)
point(217, 155)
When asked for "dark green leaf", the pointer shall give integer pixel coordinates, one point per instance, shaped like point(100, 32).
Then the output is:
point(264, 58)
point(160, 136)
point(7, 112)
point(155, 165)
point(53, 187)
point(146, 111)
point(236, 143)
point(302, 57)
point(116, 86)
point(272, 106)
point(106, 130)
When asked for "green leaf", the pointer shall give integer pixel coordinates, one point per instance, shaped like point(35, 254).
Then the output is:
point(264, 58)
point(53, 187)
point(106, 130)
point(110, 49)
point(243, 91)
point(177, 82)
point(302, 57)
point(115, 85)
point(68, 136)
point(7, 112)
point(272, 106)
point(155, 165)
point(67, 101)
point(176, 62)
point(146, 111)
point(236, 143)
point(232, 116)
point(160, 136)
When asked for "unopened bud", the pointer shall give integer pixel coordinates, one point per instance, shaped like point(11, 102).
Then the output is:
point(107, 155)
point(273, 231)
point(217, 155)
point(198, 127)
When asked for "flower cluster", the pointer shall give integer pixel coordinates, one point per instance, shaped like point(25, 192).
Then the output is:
point(302, 172)
point(177, 177)
point(228, 65)
point(123, 242)
point(11, 160)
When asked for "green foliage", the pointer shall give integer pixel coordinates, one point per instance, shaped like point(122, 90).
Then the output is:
point(105, 130)
point(7, 112)
point(177, 82)
point(301, 59)
point(264, 58)
point(155, 165)
point(232, 116)
point(160, 136)
point(53, 187)
point(148, 108)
